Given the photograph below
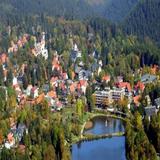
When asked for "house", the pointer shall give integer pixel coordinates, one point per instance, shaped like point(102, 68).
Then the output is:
point(3, 58)
point(20, 131)
point(59, 105)
point(10, 141)
point(119, 79)
point(52, 94)
point(14, 81)
point(73, 87)
point(17, 89)
point(45, 88)
point(84, 75)
point(20, 80)
point(34, 92)
point(40, 98)
point(100, 64)
point(136, 100)
point(157, 102)
point(77, 69)
point(40, 48)
point(82, 86)
point(150, 111)
point(106, 78)
point(94, 67)
point(65, 76)
point(95, 55)
point(140, 86)
point(51, 102)
point(125, 85)
point(54, 82)
point(148, 78)
point(154, 69)
point(75, 53)
point(28, 90)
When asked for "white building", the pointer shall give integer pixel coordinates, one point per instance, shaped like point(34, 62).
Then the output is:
point(15, 81)
point(40, 48)
point(100, 67)
point(109, 95)
point(34, 92)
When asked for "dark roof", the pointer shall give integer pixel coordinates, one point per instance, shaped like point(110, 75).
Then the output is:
point(157, 101)
point(147, 78)
point(95, 54)
point(45, 87)
point(94, 67)
point(73, 56)
point(150, 110)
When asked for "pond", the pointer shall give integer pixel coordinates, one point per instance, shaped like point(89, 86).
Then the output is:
point(102, 149)
point(105, 125)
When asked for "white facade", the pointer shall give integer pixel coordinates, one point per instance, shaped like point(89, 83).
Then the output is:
point(40, 48)
point(14, 82)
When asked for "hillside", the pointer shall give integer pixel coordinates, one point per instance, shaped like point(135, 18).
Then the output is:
point(68, 9)
point(113, 10)
point(117, 10)
point(144, 20)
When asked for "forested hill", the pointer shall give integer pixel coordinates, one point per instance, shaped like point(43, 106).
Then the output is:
point(113, 10)
point(144, 20)
point(66, 8)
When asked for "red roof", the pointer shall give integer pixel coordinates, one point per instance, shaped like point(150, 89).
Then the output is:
point(125, 85)
point(65, 75)
point(34, 89)
point(54, 79)
point(52, 94)
point(136, 100)
point(140, 85)
point(10, 137)
point(3, 58)
point(83, 82)
point(106, 78)
point(40, 98)
point(72, 87)
point(154, 69)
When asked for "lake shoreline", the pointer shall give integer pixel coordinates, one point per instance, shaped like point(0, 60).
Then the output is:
point(106, 132)
point(81, 137)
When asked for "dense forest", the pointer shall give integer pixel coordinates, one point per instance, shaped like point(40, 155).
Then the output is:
point(144, 20)
point(112, 10)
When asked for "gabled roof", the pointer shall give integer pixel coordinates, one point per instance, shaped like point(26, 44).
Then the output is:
point(40, 98)
point(106, 78)
point(150, 110)
point(140, 85)
point(148, 78)
point(52, 94)
point(125, 85)
point(34, 89)
point(157, 101)
point(83, 82)
point(136, 100)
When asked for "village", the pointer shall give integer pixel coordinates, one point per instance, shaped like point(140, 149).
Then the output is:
point(58, 90)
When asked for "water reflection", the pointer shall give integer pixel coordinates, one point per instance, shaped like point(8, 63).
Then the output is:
point(105, 125)
point(102, 149)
